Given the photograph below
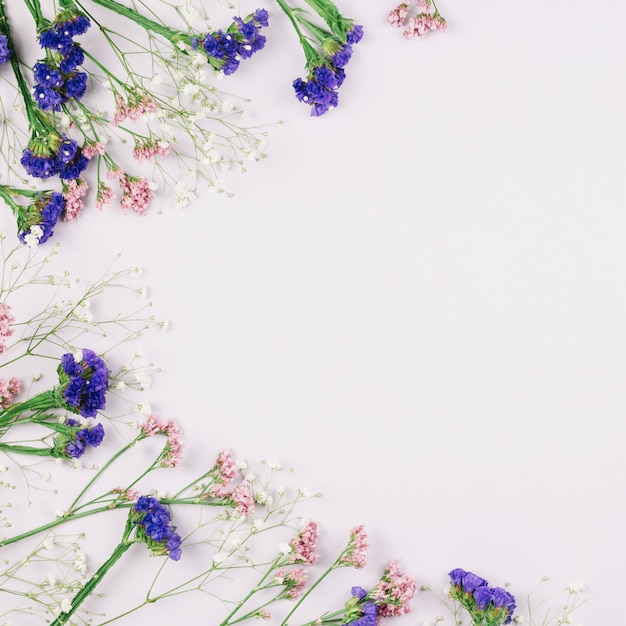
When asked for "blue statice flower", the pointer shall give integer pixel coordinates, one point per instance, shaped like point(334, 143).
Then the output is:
point(492, 605)
point(80, 439)
point(154, 527)
point(84, 383)
point(359, 611)
point(53, 154)
point(320, 89)
point(226, 49)
point(39, 219)
point(5, 52)
point(354, 35)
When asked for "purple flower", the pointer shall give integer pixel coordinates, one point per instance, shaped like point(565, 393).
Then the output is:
point(456, 575)
point(342, 57)
point(354, 35)
point(471, 582)
point(76, 85)
point(153, 522)
point(72, 59)
point(82, 438)
point(44, 212)
point(47, 99)
point(483, 596)
point(358, 592)
point(84, 383)
point(5, 53)
point(46, 76)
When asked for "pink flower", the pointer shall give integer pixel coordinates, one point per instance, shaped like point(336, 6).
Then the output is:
point(304, 544)
point(6, 319)
point(393, 591)
point(148, 150)
point(244, 499)
point(224, 472)
point(91, 149)
point(422, 24)
point(74, 192)
point(173, 451)
point(399, 15)
point(294, 581)
point(355, 554)
point(8, 390)
point(136, 193)
point(137, 106)
point(104, 195)
point(263, 613)
point(128, 495)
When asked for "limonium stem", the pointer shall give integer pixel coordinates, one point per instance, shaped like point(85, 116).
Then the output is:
point(309, 51)
point(33, 119)
point(254, 589)
point(17, 449)
point(41, 402)
point(93, 582)
point(143, 21)
point(308, 592)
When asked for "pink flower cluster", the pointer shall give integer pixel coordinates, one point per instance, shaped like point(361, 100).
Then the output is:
point(128, 495)
point(304, 545)
point(173, 451)
point(425, 20)
point(294, 581)
point(141, 105)
point(104, 195)
point(393, 592)
point(8, 390)
point(73, 195)
point(91, 149)
point(136, 192)
point(148, 150)
point(6, 319)
point(355, 555)
point(244, 499)
point(223, 472)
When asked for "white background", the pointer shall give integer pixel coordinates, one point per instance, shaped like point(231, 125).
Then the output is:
point(417, 300)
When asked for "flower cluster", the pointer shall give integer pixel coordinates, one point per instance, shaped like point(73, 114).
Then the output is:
point(173, 452)
point(56, 78)
point(6, 319)
point(5, 52)
point(84, 380)
point(226, 49)
point(52, 153)
point(326, 72)
point(153, 526)
point(73, 442)
point(426, 18)
point(355, 554)
point(302, 547)
point(360, 611)
point(393, 592)
point(487, 606)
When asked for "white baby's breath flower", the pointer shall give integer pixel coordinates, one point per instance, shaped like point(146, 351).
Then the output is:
point(518, 619)
point(227, 106)
point(35, 233)
point(143, 379)
point(66, 605)
point(144, 408)
point(576, 587)
point(219, 557)
point(284, 548)
point(260, 496)
point(274, 464)
point(156, 79)
point(242, 464)
point(304, 492)
point(249, 478)
point(120, 385)
point(258, 524)
point(164, 325)
point(136, 272)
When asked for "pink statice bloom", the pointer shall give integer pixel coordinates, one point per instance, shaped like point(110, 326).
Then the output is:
point(224, 472)
point(399, 15)
point(393, 592)
point(104, 196)
point(8, 390)
point(91, 149)
point(137, 106)
point(173, 451)
point(6, 319)
point(243, 498)
point(424, 6)
point(74, 193)
point(294, 581)
point(148, 150)
point(422, 24)
point(136, 193)
point(304, 545)
point(355, 554)
point(263, 613)
point(128, 495)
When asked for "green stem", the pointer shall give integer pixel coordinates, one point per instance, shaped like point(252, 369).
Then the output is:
point(143, 21)
point(310, 53)
point(93, 582)
point(11, 447)
point(41, 402)
point(254, 589)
